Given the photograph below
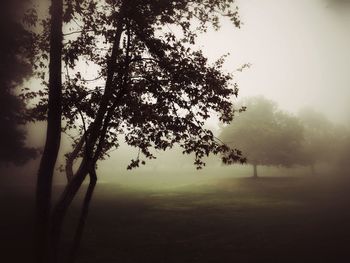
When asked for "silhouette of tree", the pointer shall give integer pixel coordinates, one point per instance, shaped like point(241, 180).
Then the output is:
point(154, 87)
point(47, 55)
point(265, 134)
point(15, 66)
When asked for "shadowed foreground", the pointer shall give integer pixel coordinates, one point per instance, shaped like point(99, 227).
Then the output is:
point(234, 220)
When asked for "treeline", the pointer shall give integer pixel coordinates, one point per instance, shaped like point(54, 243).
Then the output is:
point(268, 136)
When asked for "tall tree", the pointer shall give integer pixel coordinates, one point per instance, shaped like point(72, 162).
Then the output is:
point(53, 134)
point(16, 57)
point(158, 89)
point(320, 137)
point(266, 135)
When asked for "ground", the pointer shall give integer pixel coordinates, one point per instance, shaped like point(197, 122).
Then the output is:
point(277, 219)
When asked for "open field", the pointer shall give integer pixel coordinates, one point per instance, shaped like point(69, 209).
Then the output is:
point(279, 219)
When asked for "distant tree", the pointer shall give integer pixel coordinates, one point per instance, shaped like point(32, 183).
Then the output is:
point(320, 142)
point(16, 56)
point(343, 153)
point(154, 87)
point(265, 134)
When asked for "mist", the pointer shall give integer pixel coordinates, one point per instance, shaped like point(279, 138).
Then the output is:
point(207, 188)
point(299, 55)
point(298, 51)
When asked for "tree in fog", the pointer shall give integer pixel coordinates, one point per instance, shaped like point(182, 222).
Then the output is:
point(32, 47)
point(50, 45)
point(343, 153)
point(16, 57)
point(320, 142)
point(265, 135)
point(153, 87)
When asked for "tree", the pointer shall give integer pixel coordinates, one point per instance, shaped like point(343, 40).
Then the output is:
point(343, 151)
point(265, 134)
point(158, 90)
point(318, 133)
point(15, 67)
point(53, 133)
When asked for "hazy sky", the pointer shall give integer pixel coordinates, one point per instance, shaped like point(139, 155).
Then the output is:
point(300, 56)
point(299, 51)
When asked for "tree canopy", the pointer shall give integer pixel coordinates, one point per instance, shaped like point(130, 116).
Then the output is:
point(265, 134)
point(16, 59)
point(318, 133)
point(153, 86)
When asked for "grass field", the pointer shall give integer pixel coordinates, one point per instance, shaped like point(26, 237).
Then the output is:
point(277, 219)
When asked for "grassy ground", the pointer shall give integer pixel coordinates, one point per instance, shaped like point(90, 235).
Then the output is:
point(280, 219)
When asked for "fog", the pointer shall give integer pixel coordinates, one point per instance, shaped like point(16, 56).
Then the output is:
point(287, 202)
point(299, 57)
point(298, 51)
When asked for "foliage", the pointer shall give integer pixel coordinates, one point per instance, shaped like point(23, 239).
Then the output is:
point(16, 58)
point(265, 134)
point(153, 87)
point(344, 152)
point(320, 136)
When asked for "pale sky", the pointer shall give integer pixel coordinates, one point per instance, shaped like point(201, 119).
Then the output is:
point(299, 51)
point(300, 56)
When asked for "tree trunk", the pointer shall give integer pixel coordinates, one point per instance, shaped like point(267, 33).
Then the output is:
point(73, 156)
point(87, 163)
point(83, 216)
point(53, 135)
point(255, 175)
point(62, 206)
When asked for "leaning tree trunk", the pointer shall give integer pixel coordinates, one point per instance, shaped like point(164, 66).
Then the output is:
point(53, 135)
point(87, 163)
point(79, 233)
point(62, 206)
point(255, 175)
